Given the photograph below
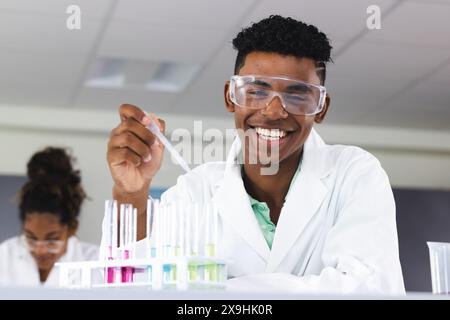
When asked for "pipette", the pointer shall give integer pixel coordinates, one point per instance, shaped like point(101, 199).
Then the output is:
point(155, 130)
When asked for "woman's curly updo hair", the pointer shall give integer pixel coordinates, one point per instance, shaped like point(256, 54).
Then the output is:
point(53, 187)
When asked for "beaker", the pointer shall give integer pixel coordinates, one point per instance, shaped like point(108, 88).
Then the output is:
point(440, 267)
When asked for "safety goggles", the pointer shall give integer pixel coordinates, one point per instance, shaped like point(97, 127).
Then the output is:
point(257, 92)
point(51, 246)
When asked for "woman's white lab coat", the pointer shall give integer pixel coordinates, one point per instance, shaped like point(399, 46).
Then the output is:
point(336, 232)
point(18, 268)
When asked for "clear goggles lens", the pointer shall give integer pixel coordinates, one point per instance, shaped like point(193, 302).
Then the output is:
point(51, 246)
point(257, 92)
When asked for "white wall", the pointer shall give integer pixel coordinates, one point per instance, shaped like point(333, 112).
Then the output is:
point(87, 148)
point(416, 159)
point(412, 158)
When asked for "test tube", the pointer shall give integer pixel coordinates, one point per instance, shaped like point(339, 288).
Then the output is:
point(134, 233)
point(148, 229)
point(107, 249)
point(181, 232)
point(196, 269)
point(187, 229)
point(216, 230)
point(126, 242)
point(156, 234)
point(126, 225)
point(165, 218)
point(110, 244)
point(166, 234)
point(191, 234)
point(115, 230)
point(133, 239)
point(174, 249)
point(173, 230)
point(209, 230)
point(210, 241)
point(122, 224)
point(196, 237)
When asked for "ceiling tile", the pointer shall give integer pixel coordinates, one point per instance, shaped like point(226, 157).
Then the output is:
point(386, 60)
point(354, 96)
point(111, 99)
point(430, 1)
point(89, 9)
point(415, 23)
point(45, 34)
point(39, 94)
point(392, 117)
point(341, 19)
point(192, 13)
point(160, 43)
point(31, 69)
point(442, 76)
point(205, 95)
point(425, 96)
point(373, 88)
point(425, 105)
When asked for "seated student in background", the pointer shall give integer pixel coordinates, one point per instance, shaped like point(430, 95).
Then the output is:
point(49, 206)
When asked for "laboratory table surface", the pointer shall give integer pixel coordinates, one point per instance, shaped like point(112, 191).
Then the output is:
point(146, 294)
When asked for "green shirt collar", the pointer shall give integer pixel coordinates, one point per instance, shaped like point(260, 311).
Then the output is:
point(262, 212)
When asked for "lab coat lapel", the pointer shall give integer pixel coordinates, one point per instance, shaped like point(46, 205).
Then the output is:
point(233, 204)
point(302, 202)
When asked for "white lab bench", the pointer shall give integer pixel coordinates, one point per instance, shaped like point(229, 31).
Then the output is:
point(146, 294)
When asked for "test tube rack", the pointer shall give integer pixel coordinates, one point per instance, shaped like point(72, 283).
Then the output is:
point(179, 253)
point(179, 273)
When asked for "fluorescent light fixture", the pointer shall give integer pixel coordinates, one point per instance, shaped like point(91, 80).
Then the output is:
point(116, 73)
point(172, 77)
point(106, 73)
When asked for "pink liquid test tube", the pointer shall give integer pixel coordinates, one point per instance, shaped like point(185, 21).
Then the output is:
point(127, 272)
point(110, 271)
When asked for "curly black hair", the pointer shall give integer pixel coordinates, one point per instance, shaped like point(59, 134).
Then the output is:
point(285, 36)
point(53, 187)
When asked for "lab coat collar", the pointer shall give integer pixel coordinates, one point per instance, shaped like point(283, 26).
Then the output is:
point(305, 196)
point(234, 207)
point(303, 201)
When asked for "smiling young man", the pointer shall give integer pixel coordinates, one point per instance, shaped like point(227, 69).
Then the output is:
point(324, 221)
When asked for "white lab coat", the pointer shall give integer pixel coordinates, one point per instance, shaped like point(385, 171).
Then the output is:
point(18, 267)
point(336, 232)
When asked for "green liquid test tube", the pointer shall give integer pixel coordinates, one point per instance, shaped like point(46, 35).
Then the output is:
point(211, 268)
point(193, 269)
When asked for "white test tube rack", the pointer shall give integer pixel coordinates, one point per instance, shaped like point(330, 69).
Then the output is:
point(186, 273)
point(173, 259)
